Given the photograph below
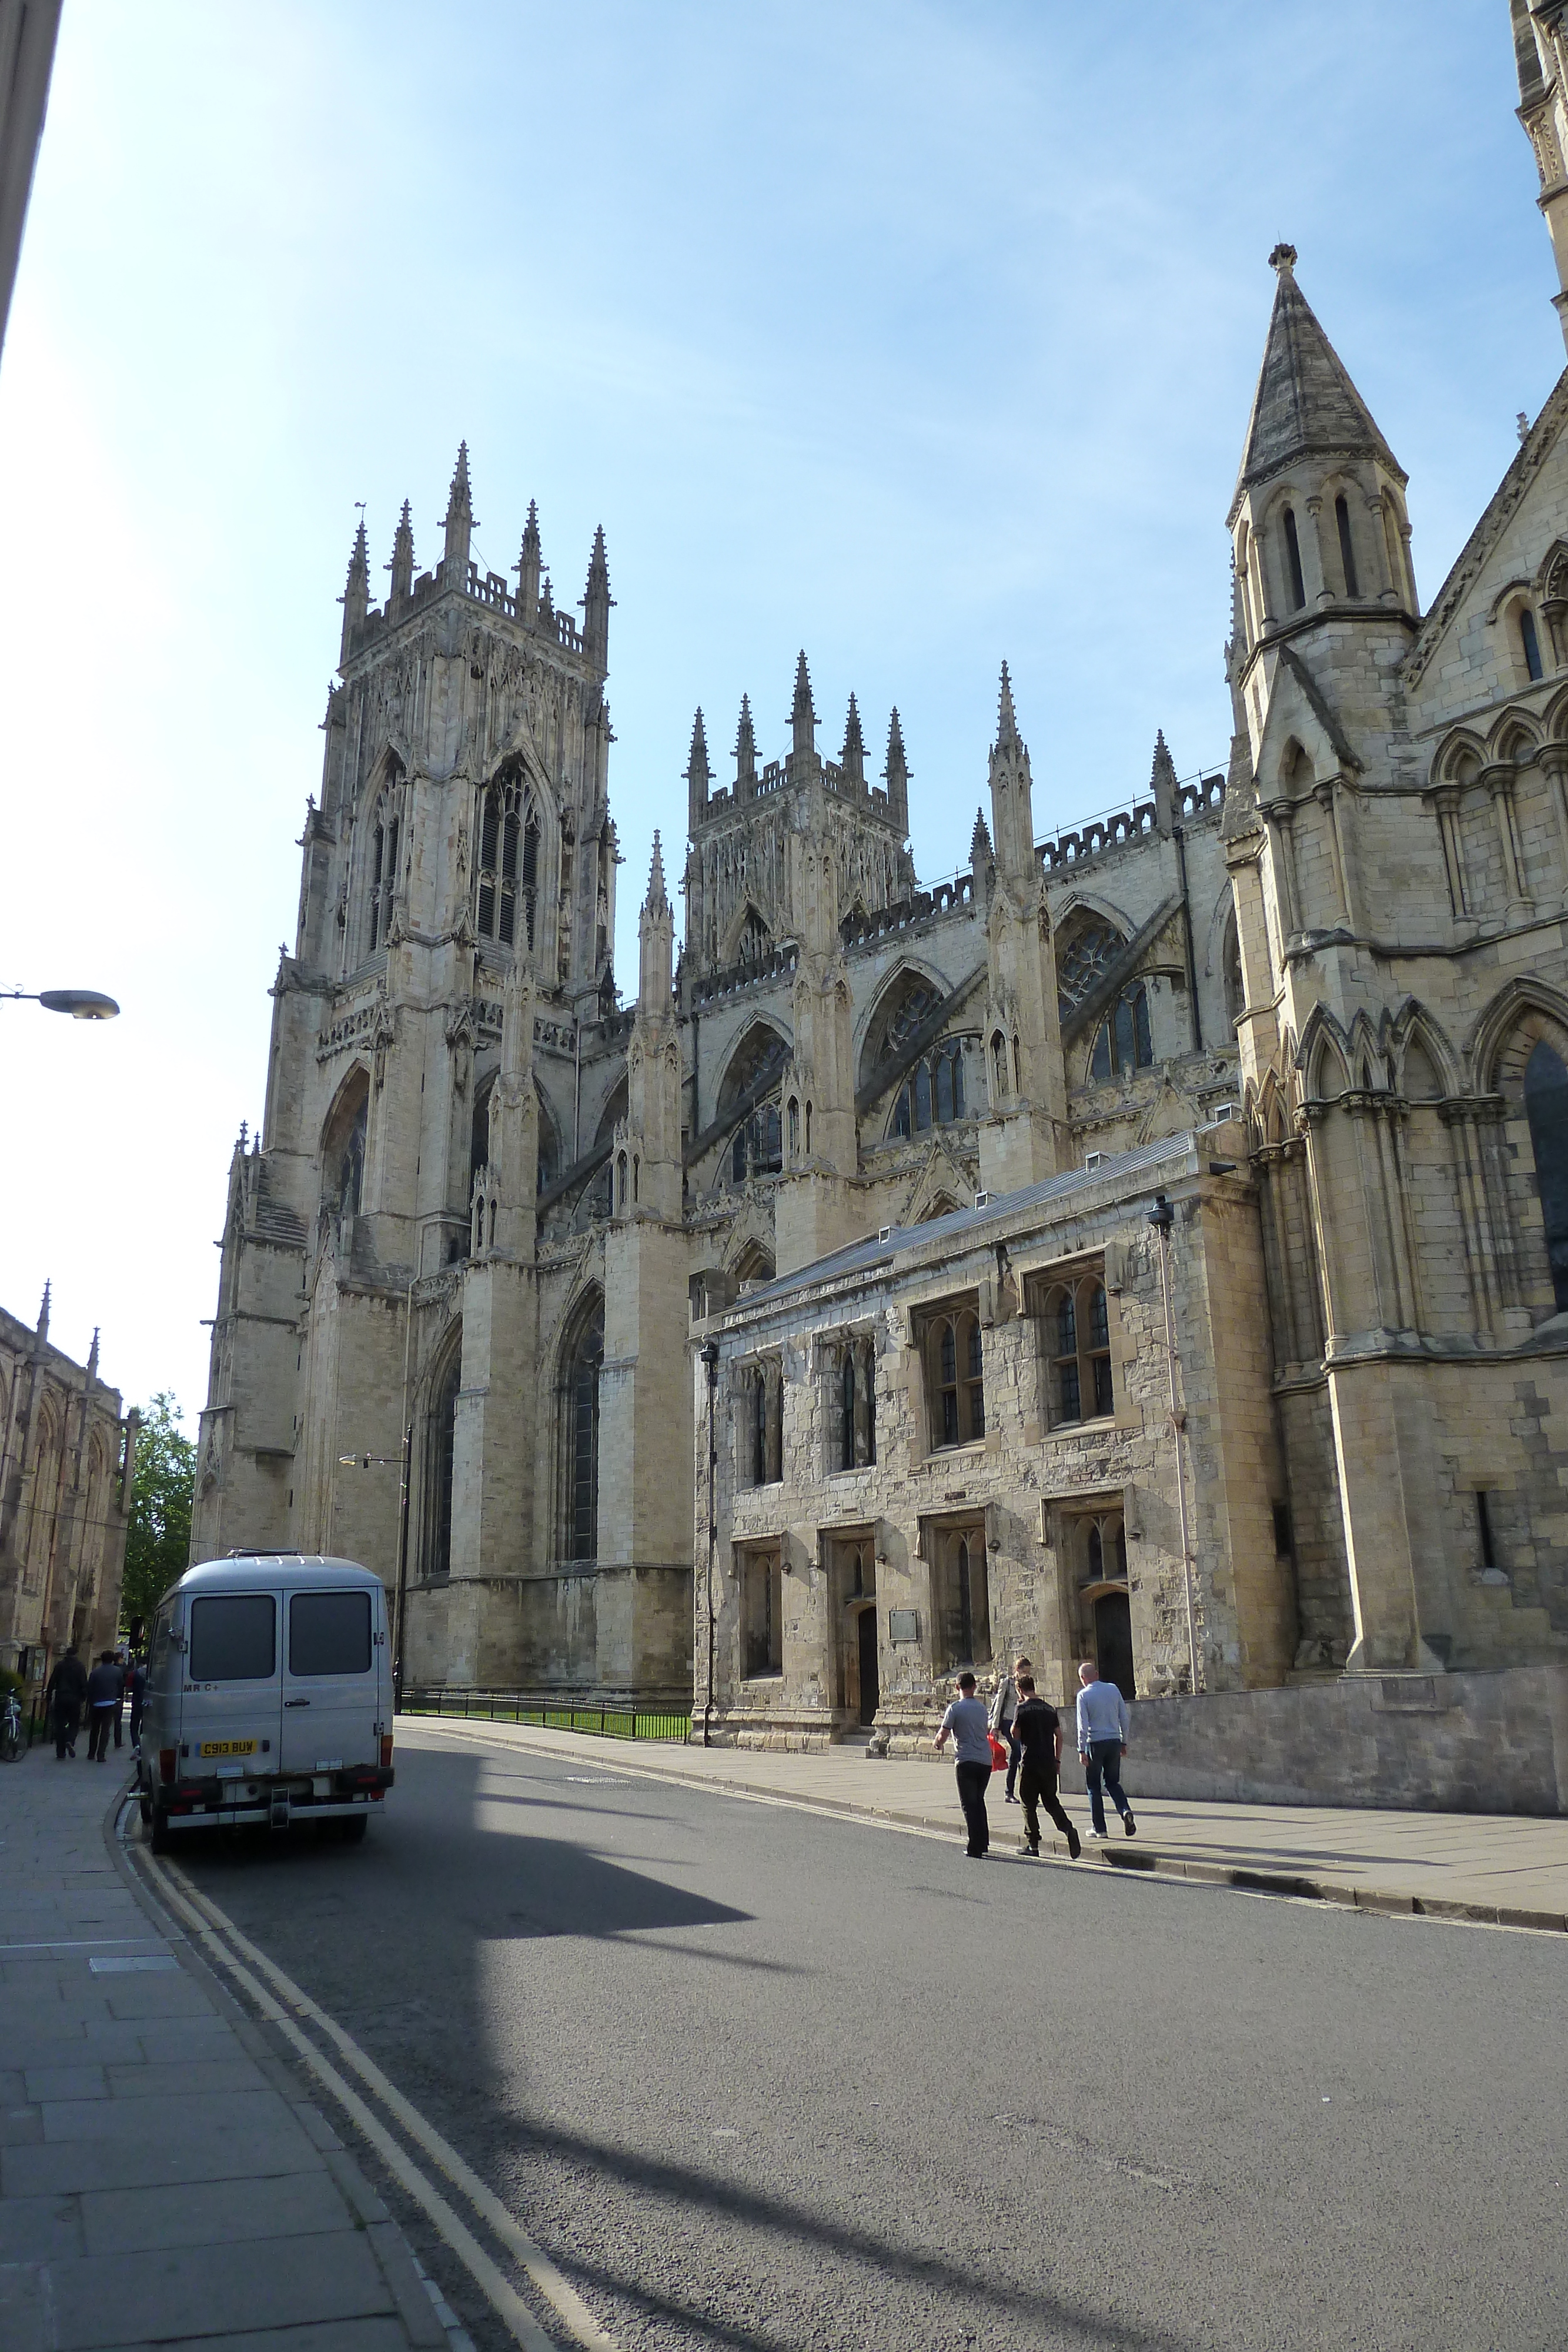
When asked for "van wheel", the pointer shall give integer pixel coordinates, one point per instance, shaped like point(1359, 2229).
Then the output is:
point(353, 1830)
point(160, 1840)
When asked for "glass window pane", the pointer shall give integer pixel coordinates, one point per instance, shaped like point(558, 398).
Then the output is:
point(1141, 1028)
point(950, 1355)
point(329, 1634)
point(1066, 1326)
point(234, 1638)
point(949, 1416)
point(974, 1353)
point(945, 1090)
point(1070, 1408)
point(1126, 1042)
point(1099, 1317)
point(1103, 1401)
point(1546, 1107)
point(922, 1094)
point(901, 1116)
point(1099, 1066)
point(977, 1410)
point(957, 1081)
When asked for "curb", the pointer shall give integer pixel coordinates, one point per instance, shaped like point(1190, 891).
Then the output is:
point(1144, 1861)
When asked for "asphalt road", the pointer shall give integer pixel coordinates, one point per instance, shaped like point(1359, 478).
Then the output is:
point(758, 2078)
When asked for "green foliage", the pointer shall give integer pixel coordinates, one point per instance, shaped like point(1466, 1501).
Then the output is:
point(10, 1682)
point(158, 1544)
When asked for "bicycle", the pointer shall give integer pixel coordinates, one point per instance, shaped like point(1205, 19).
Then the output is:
point(13, 1738)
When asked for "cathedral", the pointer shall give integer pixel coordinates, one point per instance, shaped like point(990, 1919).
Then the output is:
point(1151, 1244)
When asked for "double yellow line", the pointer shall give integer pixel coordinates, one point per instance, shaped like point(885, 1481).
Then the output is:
point(283, 2006)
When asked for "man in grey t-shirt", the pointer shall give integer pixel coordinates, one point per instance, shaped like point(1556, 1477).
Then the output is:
point(971, 1735)
point(1102, 1743)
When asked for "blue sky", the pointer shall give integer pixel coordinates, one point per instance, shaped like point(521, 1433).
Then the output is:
point(916, 332)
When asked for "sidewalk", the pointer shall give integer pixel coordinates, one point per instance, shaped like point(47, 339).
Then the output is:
point(162, 2178)
point(1503, 1870)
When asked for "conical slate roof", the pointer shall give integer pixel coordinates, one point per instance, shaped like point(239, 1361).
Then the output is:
point(1305, 403)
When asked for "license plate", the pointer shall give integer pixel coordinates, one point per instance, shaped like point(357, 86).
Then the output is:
point(227, 1748)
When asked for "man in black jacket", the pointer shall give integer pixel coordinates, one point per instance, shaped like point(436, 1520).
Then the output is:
point(63, 1696)
point(1037, 1729)
point(105, 1686)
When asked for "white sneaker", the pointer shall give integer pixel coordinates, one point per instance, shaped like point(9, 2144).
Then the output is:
point(1101, 1837)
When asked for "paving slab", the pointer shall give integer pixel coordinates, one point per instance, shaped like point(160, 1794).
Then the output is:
point(164, 2179)
point(1502, 1869)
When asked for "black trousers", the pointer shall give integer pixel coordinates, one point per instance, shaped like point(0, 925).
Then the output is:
point(98, 1736)
point(1038, 1788)
point(972, 1779)
point(68, 1714)
point(1015, 1758)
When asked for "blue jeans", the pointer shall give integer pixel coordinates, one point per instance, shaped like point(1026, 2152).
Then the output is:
point(1103, 1762)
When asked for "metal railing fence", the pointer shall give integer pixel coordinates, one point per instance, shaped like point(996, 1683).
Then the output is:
point(504, 1706)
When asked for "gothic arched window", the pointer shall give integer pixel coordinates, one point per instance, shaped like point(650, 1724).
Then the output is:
point(1124, 1042)
point(1346, 544)
point(582, 1358)
point(954, 1385)
point(1075, 1323)
point(1546, 1107)
point(508, 870)
point(1298, 586)
point(1529, 642)
point(439, 1444)
point(383, 870)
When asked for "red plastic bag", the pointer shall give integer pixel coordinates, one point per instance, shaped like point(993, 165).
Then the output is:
point(999, 1755)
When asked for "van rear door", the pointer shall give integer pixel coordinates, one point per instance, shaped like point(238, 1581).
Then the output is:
point(330, 1686)
point(231, 1714)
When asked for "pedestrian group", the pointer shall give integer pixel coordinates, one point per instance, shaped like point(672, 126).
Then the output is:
point(1031, 1730)
point(72, 1691)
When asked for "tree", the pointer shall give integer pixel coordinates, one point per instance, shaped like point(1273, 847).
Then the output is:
point(158, 1541)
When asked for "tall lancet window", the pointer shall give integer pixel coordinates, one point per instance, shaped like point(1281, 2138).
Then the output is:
point(507, 902)
point(383, 870)
point(1546, 1107)
point(1296, 583)
point(582, 1358)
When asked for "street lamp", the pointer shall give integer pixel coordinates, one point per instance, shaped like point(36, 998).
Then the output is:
point(82, 1004)
point(401, 1463)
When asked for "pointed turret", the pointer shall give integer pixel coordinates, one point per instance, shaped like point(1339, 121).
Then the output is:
point(745, 753)
point(896, 773)
point(980, 846)
point(1538, 39)
point(1318, 510)
point(1012, 792)
point(1163, 786)
point(42, 1333)
point(655, 932)
point(92, 1359)
point(596, 603)
point(356, 596)
point(803, 718)
point(459, 523)
point(698, 776)
point(528, 567)
point(401, 565)
point(851, 758)
point(1305, 405)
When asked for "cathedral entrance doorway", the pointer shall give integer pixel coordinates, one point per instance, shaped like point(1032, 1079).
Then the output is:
point(870, 1681)
point(1114, 1642)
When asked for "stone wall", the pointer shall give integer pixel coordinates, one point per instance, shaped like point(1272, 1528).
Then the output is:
point(1464, 1743)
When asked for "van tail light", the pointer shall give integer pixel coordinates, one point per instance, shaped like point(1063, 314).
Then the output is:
point(167, 1763)
point(386, 1751)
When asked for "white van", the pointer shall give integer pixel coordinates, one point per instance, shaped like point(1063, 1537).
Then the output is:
point(270, 1697)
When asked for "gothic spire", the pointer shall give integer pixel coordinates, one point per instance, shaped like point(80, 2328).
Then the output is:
point(803, 718)
point(356, 596)
point(852, 758)
point(1305, 403)
point(42, 1330)
point(92, 1358)
point(596, 603)
point(401, 565)
point(1163, 785)
point(1544, 111)
point(1007, 723)
point(745, 753)
point(657, 901)
point(529, 560)
point(896, 773)
point(979, 844)
point(459, 522)
point(698, 776)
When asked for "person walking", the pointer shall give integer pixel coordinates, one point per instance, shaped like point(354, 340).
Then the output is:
point(964, 1722)
point(1004, 1708)
point(104, 1685)
point(1038, 1727)
point(122, 1660)
point(137, 1679)
point(1103, 1727)
point(64, 1694)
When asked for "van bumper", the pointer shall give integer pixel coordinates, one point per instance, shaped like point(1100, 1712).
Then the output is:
point(320, 1797)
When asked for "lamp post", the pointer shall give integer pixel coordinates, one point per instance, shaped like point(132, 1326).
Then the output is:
point(1162, 1217)
point(82, 1004)
point(392, 1462)
point(710, 1361)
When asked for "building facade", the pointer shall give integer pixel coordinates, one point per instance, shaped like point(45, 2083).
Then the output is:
point(66, 1458)
point(488, 1209)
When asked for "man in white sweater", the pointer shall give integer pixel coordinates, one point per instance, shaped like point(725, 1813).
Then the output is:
point(1103, 1727)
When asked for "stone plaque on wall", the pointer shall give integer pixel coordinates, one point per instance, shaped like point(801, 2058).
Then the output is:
point(903, 1624)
